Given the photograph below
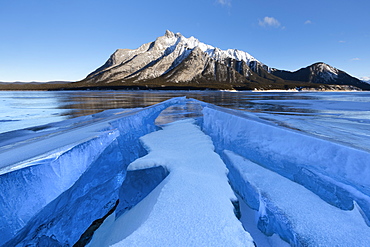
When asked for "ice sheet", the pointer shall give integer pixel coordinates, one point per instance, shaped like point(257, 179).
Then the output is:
point(70, 173)
point(338, 118)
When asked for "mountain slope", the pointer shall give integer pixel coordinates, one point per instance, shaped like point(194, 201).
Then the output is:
point(320, 73)
point(174, 59)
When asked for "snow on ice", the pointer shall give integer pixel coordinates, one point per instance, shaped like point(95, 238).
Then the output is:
point(192, 206)
point(129, 178)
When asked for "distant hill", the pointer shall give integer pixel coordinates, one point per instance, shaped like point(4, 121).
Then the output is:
point(175, 62)
point(321, 73)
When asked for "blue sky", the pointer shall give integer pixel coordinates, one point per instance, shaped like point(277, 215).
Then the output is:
point(44, 40)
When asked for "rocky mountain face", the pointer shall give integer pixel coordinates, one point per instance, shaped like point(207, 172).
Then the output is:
point(175, 61)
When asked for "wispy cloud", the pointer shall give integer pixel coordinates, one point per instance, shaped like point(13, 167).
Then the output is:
point(308, 22)
point(269, 22)
point(342, 41)
point(224, 2)
point(356, 59)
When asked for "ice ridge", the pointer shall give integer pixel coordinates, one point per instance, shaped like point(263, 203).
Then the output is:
point(53, 193)
point(299, 216)
point(192, 206)
point(337, 173)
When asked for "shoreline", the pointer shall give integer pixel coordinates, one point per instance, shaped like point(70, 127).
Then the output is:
point(231, 88)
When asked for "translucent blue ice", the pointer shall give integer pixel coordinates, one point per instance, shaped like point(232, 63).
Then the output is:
point(53, 186)
point(337, 173)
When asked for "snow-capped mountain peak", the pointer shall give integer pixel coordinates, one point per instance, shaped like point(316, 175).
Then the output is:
point(171, 39)
point(161, 56)
point(324, 71)
point(323, 67)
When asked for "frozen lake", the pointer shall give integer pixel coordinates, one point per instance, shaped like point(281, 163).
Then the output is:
point(118, 167)
point(338, 116)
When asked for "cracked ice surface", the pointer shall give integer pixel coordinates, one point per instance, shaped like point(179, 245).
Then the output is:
point(69, 175)
point(295, 213)
point(337, 173)
point(191, 207)
point(56, 182)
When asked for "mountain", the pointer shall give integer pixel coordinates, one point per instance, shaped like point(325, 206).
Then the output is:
point(320, 73)
point(173, 60)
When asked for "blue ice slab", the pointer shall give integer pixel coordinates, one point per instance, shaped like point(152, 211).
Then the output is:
point(137, 185)
point(69, 175)
point(294, 213)
point(338, 174)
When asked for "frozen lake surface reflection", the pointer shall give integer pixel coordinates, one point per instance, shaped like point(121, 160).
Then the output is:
point(338, 116)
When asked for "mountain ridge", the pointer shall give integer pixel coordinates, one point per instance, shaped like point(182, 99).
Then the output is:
point(159, 57)
point(319, 72)
point(174, 60)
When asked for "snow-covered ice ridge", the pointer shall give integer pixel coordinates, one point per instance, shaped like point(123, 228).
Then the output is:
point(171, 186)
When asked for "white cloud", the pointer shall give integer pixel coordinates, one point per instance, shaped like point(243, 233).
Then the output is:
point(342, 41)
point(355, 59)
point(224, 2)
point(307, 22)
point(269, 22)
